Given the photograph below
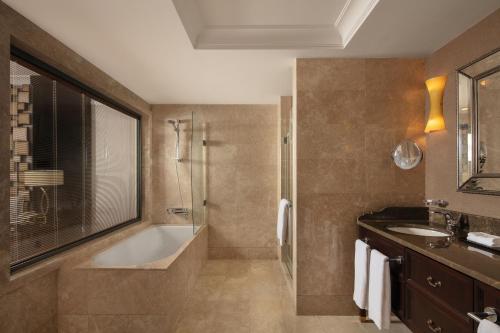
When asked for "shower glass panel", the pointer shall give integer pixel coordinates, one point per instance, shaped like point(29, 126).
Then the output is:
point(286, 129)
point(198, 172)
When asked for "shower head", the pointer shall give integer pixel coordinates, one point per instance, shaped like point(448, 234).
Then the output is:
point(175, 124)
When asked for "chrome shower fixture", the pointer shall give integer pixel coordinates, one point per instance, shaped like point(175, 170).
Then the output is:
point(176, 124)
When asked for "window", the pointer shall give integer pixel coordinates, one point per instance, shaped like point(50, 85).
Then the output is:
point(74, 162)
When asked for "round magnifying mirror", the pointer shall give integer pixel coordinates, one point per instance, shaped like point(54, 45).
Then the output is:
point(407, 155)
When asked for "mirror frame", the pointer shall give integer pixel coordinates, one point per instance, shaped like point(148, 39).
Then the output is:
point(467, 185)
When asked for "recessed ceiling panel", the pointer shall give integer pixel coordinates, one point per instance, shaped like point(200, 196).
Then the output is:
point(270, 12)
point(272, 24)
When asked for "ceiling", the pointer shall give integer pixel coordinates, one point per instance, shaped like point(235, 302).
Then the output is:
point(169, 54)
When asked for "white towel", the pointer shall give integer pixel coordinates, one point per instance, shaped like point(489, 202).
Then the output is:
point(282, 221)
point(361, 267)
point(484, 239)
point(486, 326)
point(379, 290)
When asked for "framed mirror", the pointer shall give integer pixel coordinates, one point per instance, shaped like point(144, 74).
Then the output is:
point(478, 123)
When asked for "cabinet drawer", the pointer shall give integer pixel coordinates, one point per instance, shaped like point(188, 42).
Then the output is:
point(446, 284)
point(423, 316)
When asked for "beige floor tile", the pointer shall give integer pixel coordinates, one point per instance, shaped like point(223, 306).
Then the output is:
point(340, 324)
point(252, 296)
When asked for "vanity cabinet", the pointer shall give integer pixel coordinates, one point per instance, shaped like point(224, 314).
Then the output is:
point(393, 250)
point(429, 296)
point(437, 297)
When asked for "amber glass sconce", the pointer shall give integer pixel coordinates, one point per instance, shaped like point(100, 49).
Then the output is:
point(435, 87)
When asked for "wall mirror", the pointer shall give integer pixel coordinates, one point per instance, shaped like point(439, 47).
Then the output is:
point(407, 155)
point(478, 134)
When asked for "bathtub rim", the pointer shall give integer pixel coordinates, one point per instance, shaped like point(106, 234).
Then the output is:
point(160, 264)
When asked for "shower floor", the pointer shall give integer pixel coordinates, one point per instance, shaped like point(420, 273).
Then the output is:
point(252, 296)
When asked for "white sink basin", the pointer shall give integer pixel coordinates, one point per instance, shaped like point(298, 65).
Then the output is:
point(418, 230)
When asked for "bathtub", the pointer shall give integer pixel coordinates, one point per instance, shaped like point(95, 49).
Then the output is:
point(142, 281)
point(153, 245)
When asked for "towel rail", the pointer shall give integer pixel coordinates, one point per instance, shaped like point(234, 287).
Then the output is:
point(397, 260)
point(489, 313)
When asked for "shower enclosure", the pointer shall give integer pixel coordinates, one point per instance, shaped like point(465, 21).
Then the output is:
point(192, 159)
point(286, 130)
point(198, 171)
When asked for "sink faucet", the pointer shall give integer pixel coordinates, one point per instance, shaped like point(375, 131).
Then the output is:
point(453, 221)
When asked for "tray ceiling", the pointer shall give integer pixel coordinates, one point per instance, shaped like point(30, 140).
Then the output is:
point(272, 24)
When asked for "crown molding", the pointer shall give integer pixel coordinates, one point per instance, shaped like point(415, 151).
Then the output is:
point(269, 37)
point(352, 16)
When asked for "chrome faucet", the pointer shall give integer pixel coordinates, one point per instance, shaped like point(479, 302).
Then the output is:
point(452, 221)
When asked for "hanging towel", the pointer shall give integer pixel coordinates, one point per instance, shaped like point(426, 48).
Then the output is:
point(486, 326)
point(361, 267)
point(379, 290)
point(282, 221)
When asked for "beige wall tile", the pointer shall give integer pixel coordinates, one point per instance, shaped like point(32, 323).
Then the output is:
point(350, 115)
point(441, 164)
point(31, 307)
point(74, 324)
point(241, 174)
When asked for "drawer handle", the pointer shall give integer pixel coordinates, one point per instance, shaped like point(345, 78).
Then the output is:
point(430, 282)
point(433, 327)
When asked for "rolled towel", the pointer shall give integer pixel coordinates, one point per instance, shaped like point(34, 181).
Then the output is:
point(282, 224)
point(484, 239)
point(361, 268)
point(379, 290)
point(486, 326)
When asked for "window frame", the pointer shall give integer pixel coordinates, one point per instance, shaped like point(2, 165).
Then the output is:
point(39, 66)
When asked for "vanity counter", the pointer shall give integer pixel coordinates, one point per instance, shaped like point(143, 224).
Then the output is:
point(473, 261)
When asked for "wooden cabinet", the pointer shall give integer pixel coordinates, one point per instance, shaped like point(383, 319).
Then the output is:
point(439, 281)
point(425, 316)
point(484, 296)
point(429, 296)
point(392, 250)
point(437, 297)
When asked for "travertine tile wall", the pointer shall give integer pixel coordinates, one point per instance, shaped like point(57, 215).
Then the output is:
point(241, 175)
point(441, 161)
point(28, 302)
point(350, 115)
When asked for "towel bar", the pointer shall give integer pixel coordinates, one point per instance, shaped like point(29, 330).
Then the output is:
point(397, 260)
point(489, 313)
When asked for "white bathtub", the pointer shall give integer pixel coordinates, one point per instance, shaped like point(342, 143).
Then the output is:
point(149, 245)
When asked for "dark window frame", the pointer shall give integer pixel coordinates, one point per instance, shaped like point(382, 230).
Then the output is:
point(39, 66)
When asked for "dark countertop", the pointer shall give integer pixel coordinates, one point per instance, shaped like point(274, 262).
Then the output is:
point(473, 261)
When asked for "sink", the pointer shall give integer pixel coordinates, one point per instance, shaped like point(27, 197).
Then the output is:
point(418, 230)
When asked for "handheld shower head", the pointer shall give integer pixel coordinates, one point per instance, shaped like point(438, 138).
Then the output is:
point(174, 123)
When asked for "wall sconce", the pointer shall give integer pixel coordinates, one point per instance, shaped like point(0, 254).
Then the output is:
point(435, 87)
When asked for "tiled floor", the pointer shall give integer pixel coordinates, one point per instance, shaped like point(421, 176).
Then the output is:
point(252, 296)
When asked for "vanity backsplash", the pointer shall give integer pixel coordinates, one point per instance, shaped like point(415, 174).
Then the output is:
point(485, 224)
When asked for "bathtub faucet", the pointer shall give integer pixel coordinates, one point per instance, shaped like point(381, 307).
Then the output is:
point(184, 212)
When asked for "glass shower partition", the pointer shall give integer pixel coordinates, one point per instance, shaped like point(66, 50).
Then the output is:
point(198, 170)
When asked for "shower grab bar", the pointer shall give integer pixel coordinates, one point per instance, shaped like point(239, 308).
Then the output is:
point(489, 313)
